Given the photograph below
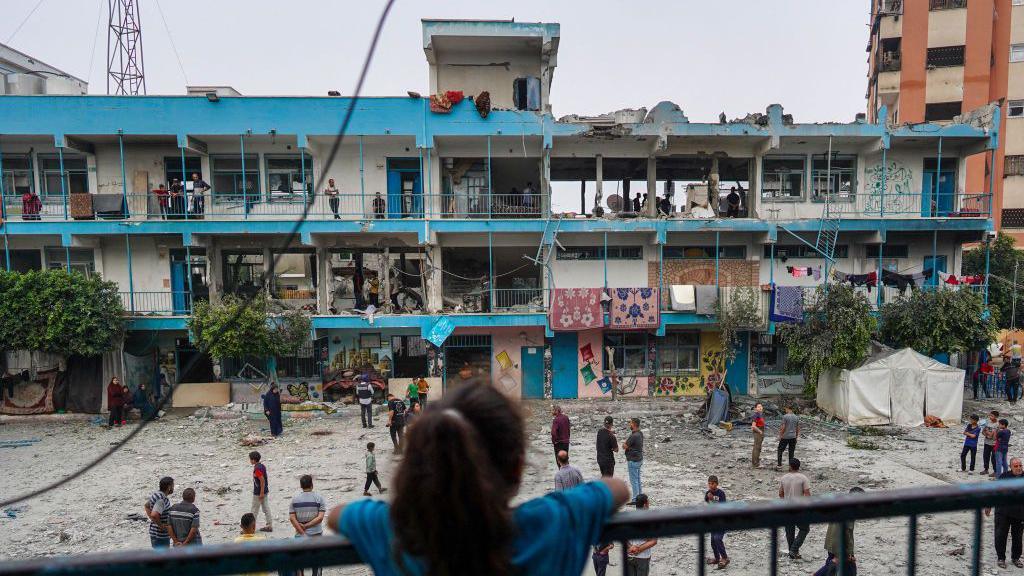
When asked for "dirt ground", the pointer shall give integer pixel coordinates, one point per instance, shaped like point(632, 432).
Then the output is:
point(102, 510)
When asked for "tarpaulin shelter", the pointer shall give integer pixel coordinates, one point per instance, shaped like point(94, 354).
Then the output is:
point(898, 387)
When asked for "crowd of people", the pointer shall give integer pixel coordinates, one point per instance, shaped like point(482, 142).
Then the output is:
point(182, 199)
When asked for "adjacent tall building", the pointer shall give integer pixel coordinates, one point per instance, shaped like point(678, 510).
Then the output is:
point(932, 60)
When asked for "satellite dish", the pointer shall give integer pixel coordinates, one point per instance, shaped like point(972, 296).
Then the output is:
point(615, 202)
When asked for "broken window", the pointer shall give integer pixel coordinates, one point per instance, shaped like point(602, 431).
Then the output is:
point(770, 355)
point(841, 170)
point(892, 57)
point(294, 278)
point(945, 56)
point(467, 360)
point(1015, 109)
point(629, 352)
point(285, 177)
point(941, 111)
point(679, 352)
point(82, 260)
point(17, 174)
point(495, 188)
point(243, 272)
point(76, 175)
point(25, 260)
point(410, 356)
point(704, 252)
point(783, 178)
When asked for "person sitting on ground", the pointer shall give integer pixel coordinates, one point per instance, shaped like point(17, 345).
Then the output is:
point(468, 454)
point(568, 476)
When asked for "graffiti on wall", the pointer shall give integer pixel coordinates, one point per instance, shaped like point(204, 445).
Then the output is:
point(773, 384)
point(712, 371)
point(898, 179)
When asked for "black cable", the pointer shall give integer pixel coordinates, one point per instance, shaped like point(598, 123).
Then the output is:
point(291, 237)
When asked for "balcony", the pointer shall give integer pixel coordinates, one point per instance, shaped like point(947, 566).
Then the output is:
point(875, 204)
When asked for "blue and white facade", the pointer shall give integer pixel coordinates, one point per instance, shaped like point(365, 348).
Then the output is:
point(431, 208)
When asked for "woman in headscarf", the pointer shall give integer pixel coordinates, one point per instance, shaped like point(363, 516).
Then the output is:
point(117, 397)
point(143, 401)
point(272, 409)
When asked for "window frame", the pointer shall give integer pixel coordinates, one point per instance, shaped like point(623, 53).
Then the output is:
point(777, 173)
point(671, 341)
point(625, 345)
point(822, 174)
point(1013, 164)
point(81, 260)
point(72, 172)
point(802, 251)
point(229, 283)
point(10, 187)
point(945, 56)
point(290, 196)
point(275, 262)
point(1018, 104)
point(902, 251)
point(725, 252)
point(217, 194)
point(597, 253)
point(1019, 48)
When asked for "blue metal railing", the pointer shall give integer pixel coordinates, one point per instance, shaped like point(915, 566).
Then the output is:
point(293, 554)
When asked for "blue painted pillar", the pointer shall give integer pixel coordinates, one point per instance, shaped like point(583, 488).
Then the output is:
point(245, 189)
point(490, 191)
point(7, 251)
point(991, 185)
point(305, 191)
point(935, 265)
point(67, 258)
point(490, 269)
point(988, 246)
point(183, 190)
point(124, 178)
point(605, 260)
point(661, 273)
point(935, 183)
point(63, 188)
point(878, 296)
point(188, 274)
point(131, 281)
point(3, 194)
point(362, 178)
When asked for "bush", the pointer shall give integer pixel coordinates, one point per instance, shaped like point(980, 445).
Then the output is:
point(937, 321)
point(237, 328)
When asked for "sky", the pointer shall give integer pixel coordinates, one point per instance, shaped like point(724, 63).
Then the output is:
point(732, 56)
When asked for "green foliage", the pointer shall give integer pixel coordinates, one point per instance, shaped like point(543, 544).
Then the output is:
point(836, 333)
point(742, 313)
point(934, 321)
point(1002, 257)
point(59, 312)
point(236, 328)
point(858, 443)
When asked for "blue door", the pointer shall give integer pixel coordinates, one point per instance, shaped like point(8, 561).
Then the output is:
point(737, 371)
point(532, 362)
point(179, 287)
point(564, 368)
point(939, 263)
point(938, 192)
point(405, 189)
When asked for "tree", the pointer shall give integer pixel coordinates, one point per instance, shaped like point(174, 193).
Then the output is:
point(1003, 255)
point(237, 328)
point(741, 313)
point(937, 321)
point(59, 312)
point(836, 333)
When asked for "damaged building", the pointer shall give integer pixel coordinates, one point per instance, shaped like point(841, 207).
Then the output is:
point(470, 237)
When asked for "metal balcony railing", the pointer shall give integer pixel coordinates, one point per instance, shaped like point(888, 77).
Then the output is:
point(873, 204)
point(157, 303)
point(294, 554)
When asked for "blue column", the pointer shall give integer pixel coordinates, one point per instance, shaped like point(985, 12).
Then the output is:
point(7, 251)
point(661, 272)
point(490, 268)
point(885, 184)
point(305, 192)
point(124, 178)
point(183, 190)
point(245, 188)
point(63, 188)
point(490, 191)
point(935, 267)
point(131, 281)
point(935, 182)
point(988, 246)
point(3, 194)
point(991, 186)
point(67, 258)
point(878, 283)
point(188, 274)
point(362, 180)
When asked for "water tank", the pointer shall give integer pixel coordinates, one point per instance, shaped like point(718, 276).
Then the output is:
point(24, 84)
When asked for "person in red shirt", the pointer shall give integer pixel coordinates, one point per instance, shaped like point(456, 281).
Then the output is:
point(117, 396)
point(31, 206)
point(162, 196)
point(559, 431)
point(757, 427)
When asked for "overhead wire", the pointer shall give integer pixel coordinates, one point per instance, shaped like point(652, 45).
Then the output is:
point(170, 37)
point(27, 16)
point(294, 232)
point(95, 39)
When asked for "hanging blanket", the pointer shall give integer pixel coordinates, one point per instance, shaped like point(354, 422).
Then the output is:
point(707, 300)
point(634, 309)
point(787, 304)
point(30, 396)
point(575, 309)
point(684, 297)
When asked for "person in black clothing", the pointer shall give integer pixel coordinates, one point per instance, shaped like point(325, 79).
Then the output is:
point(1010, 521)
point(606, 446)
point(733, 201)
point(396, 421)
point(636, 204)
point(378, 206)
point(665, 205)
point(1012, 370)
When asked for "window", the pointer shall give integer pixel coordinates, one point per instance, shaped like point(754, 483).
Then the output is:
point(946, 4)
point(302, 364)
point(941, 111)
point(284, 177)
point(783, 178)
point(1016, 52)
point(227, 177)
point(81, 260)
point(193, 165)
point(802, 251)
point(1013, 166)
point(770, 356)
point(945, 56)
point(597, 253)
point(704, 252)
point(76, 175)
point(467, 360)
point(679, 352)
point(410, 356)
point(843, 171)
point(25, 260)
point(888, 251)
point(243, 272)
point(629, 350)
point(294, 275)
point(17, 174)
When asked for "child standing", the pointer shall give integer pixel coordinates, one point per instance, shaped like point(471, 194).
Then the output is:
point(371, 471)
point(971, 433)
point(715, 495)
point(260, 490)
point(1002, 446)
point(988, 432)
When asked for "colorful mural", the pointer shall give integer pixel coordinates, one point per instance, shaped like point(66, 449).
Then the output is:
point(712, 371)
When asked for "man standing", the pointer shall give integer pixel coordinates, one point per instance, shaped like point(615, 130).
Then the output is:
point(606, 446)
point(757, 427)
point(423, 387)
point(988, 432)
point(638, 559)
point(634, 450)
point(412, 392)
point(331, 191)
point(396, 421)
point(1010, 521)
point(364, 393)
point(260, 490)
point(183, 521)
point(306, 512)
point(199, 190)
point(156, 510)
point(832, 546)
point(792, 486)
point(559, 431)
point(379, 206)
point(789, 431)
point(568, 476)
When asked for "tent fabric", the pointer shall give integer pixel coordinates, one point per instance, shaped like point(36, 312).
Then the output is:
point(85, 385)
point(898, 387)
point(684, 297)
point(719, 408)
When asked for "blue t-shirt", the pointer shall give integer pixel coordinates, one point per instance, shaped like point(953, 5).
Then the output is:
point(1003, 440)
point(555, 532)
point(972, 442)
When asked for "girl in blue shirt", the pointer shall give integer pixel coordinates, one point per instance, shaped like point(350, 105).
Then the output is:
point(450, 515)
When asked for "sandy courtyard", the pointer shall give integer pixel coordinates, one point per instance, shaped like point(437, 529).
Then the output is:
point(100, 511)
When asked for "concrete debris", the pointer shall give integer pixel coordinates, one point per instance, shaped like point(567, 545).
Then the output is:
point(982, 117)
point(251, 440)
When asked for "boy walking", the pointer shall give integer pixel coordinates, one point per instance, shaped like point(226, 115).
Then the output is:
point(396, 421)
point(260, 490)
point(715, 495)
point(1002, 447)
point(988, 432)
point(371, 472)
point(971, 433)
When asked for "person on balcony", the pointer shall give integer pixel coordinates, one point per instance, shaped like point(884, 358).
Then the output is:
point(199, 190)
point(468, 454)
point(161, 193)
point(176, 200)
point(529, 197)
point(331, 191)
point(733, 204)
point(31, 205)
point(379, 206)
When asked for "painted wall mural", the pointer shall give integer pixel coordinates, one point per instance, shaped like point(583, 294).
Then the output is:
point(900, 197)
point(712, 371)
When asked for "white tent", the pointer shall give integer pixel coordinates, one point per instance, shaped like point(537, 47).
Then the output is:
point(898, 387)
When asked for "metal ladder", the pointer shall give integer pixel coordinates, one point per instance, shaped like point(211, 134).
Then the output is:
point(828, 233)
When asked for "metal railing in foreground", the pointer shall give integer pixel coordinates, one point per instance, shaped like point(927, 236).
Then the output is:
point(292, 554)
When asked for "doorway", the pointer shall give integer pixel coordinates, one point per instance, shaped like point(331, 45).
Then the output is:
point(532, 362)
point(938, 188)
point(564, 368)
point(405, 188)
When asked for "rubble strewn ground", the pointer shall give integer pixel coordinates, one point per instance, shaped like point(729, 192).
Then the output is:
point(103, 510)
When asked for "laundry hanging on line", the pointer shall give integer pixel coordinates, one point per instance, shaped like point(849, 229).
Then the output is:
point(804, 271)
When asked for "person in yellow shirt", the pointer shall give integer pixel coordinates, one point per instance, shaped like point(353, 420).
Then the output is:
point(423, 387)
point(249, 535)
